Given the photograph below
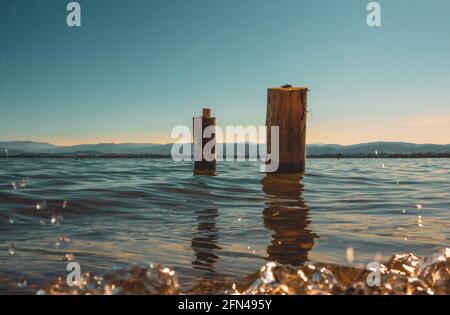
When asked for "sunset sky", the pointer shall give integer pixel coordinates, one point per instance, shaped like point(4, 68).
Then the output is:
point(136, 69)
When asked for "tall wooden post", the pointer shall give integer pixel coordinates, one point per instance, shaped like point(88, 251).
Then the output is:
point(287, 108)
point(204, 165)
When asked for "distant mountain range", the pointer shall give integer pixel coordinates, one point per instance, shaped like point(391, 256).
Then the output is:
point(25, 146)
point(377, 148)
point(29, 147)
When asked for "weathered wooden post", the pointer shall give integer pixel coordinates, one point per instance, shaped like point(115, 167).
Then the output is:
point(287, 108)
point(204, 165)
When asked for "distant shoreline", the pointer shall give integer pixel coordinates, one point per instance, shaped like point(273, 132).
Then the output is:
point(381, 156)
point(164, 156)
point(380, 149)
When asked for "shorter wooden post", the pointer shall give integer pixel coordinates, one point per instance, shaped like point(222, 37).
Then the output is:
point(202, 165)
point(287, 108)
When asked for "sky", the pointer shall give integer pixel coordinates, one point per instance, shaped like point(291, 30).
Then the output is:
point(135, 69)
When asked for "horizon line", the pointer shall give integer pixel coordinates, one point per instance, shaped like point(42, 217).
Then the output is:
point(167, 143)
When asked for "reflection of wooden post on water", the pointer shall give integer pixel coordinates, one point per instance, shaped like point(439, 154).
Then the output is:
point(287, 108)
point(205, 240)
point(288, 217)
point(204, 165)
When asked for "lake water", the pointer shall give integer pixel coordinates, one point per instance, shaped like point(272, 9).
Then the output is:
point(109, 214)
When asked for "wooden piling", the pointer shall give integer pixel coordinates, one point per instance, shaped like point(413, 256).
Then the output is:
point(203, 166)
point(287, 108)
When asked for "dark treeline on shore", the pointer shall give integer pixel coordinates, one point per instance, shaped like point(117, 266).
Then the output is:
point(382, 156)
point(165, 156)
point(86, 156)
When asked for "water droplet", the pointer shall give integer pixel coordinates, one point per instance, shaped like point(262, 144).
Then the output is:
point(61, 241)
point(11, 221)
point(56, 219)
point(23, 183)
point(41, 205)
point(419, 221)
point(12, 249)
point(64, 239)
point(69, 257)
point(13, 185)
point(64, 205)
point(22, 283)
point(404, 211)
point(350, 255)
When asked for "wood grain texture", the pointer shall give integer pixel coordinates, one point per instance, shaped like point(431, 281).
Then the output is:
point(287, 108)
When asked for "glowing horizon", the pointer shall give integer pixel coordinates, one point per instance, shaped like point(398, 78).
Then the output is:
point(110, 82)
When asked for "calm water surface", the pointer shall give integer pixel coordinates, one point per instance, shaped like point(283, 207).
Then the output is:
point(110, 213)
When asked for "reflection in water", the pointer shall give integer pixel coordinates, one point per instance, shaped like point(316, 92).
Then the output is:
point(204, 242)
point(287, 215)
point(152, 204)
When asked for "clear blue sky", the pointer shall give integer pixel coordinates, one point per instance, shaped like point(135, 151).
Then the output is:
point(137, 68)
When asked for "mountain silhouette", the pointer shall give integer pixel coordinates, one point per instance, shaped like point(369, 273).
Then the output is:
point(29, 147)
